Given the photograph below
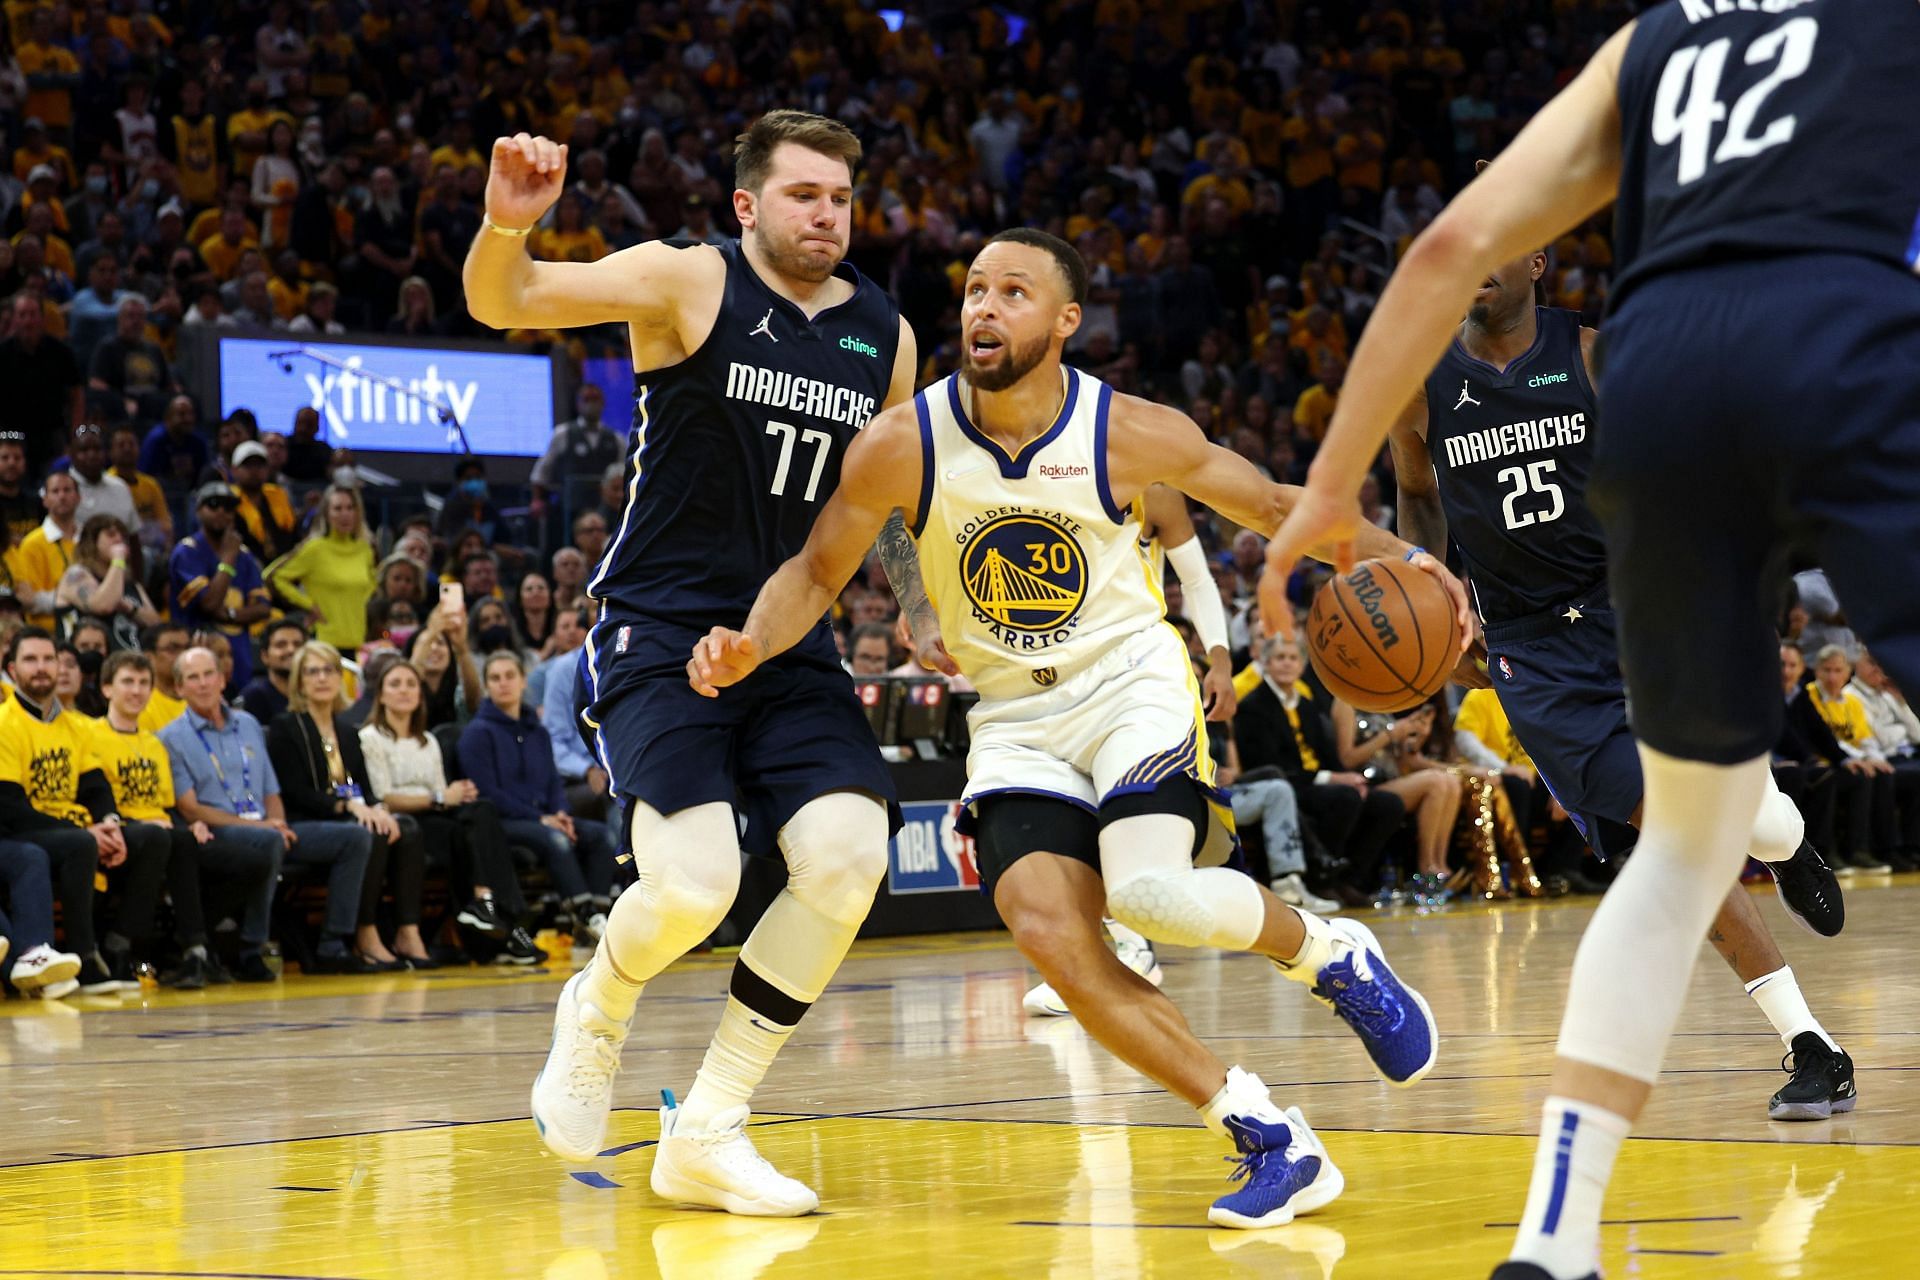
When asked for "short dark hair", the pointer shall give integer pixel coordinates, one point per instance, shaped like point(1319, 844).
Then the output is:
point(473, 557)
point(753, 150)
point(1073, 268)
point(150, 635)
point(869, 629)
point(125, 658)
point(288, 623)
point(26, 633)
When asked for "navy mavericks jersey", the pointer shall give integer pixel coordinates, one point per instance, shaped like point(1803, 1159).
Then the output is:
point(1511, 451)
point(1759, 127)
point(735, 449)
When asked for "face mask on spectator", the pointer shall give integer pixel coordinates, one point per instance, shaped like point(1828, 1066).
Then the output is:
point(90, 664)
point(96, 185)
point(150, 189)
point(497, 636)
point(403, 635)
point(346, 477)
point(475, 489)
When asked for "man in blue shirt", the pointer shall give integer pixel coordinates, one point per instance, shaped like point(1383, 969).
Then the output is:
point(585, 781)
point(215, 581)
point(222, 777)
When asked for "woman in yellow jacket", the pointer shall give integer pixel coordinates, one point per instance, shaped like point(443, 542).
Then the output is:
point(330, 574)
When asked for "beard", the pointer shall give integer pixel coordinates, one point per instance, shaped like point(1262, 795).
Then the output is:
point(1479, 314)
point(1017, 364)
point(795, 262)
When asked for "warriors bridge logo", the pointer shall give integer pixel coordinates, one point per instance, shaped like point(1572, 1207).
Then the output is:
point(1025, 576)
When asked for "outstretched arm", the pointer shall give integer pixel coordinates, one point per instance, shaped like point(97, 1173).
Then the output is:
point(507, 289)
point(881, 474)
point(1503, 213)
point(1149, 442)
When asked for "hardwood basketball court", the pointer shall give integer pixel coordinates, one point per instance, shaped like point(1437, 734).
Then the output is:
point(366, 1129)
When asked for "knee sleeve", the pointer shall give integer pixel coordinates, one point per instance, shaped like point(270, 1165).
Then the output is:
point(1153, 887)
point(836, 851)
point(1778, 828)
point(687, 867)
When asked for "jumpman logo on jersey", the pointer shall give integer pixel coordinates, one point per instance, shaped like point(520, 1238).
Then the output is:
point(1466, 396)
point(765, 326)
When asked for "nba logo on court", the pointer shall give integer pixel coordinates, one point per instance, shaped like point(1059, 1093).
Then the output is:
point(1506, 670)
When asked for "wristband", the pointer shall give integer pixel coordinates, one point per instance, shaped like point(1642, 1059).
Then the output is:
point(227, 569)
point(1417, 551)
point(514, 233)
point(118, 564)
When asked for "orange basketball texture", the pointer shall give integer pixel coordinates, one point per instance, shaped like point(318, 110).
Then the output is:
point(1383, 637)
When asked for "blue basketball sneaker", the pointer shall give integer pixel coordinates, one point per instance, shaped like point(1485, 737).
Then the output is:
point(1391, 1018)
point(1284, 1168)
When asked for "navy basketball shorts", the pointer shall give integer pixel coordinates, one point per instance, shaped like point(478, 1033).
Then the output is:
point(1750, 411)
point(1558, 680)
point(791, 732)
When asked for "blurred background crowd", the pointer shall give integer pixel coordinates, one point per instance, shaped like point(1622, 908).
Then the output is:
point(1240, 178)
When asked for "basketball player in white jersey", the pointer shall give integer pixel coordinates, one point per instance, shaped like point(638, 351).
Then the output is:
point(1167, 536)
point(1089, 785)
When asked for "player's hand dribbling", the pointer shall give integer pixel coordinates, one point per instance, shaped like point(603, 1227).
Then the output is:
point(524, 180)
point(724, 658)
point(1316, 520)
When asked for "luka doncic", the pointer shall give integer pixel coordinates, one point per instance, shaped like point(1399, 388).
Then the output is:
point(756, 362)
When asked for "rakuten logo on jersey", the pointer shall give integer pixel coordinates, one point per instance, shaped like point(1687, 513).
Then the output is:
point(345, 399)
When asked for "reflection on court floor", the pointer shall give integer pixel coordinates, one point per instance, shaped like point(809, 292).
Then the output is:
point(361, 1129)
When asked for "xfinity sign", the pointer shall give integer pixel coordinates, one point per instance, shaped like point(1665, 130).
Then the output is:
point(503, 398)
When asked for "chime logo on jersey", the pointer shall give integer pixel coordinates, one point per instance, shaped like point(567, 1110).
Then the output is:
point(1025, 575)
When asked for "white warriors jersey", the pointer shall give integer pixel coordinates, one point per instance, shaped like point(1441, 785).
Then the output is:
point(1032, 567)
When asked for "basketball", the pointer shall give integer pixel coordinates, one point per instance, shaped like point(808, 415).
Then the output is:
point(1383, 637)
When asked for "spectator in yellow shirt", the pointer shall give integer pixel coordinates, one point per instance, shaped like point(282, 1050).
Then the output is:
point(569, 239)
point(162, 642)
point(52, 72)
point(221, 252)
point(43, 556)
point(1313, 412)
point(149, 499)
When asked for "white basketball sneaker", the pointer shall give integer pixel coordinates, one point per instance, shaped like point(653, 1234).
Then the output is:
point(1134, 951)
point(574, 1091)
point(720, 1169)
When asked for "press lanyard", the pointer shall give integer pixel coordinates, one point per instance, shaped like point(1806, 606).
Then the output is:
point(249, 809)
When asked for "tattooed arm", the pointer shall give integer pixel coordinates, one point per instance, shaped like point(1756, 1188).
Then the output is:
point(898, 552)
point(901, 559)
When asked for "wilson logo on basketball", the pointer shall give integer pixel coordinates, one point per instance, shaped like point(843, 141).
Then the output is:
point(1369, 594)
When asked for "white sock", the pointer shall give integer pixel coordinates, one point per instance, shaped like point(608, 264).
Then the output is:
point(1244, 1094)
point(737, 1060)
point(1778, 996)
point(1316, 951)
point(1123, 936)
point(603, 987)
point(1560, 1229)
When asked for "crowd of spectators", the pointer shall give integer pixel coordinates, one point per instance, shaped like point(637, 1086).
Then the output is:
point(229, 653)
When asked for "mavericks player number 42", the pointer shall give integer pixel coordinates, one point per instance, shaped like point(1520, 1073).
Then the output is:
point(1761, 396)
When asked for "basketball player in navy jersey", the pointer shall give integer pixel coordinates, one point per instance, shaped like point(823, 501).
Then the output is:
point(757, 361)
point(1495, 450)
point(1762, 395)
